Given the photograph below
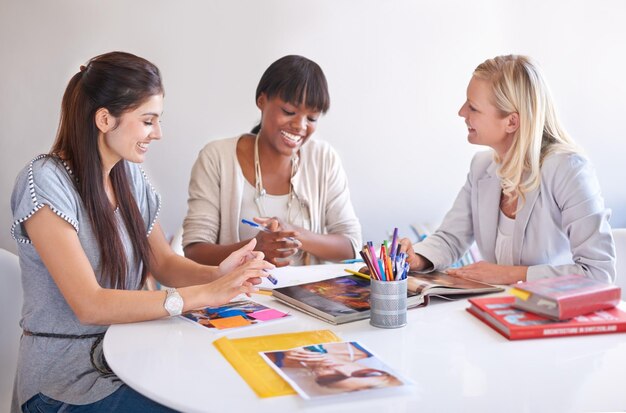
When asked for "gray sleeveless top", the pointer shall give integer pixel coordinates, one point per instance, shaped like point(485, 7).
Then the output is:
point(61, 368)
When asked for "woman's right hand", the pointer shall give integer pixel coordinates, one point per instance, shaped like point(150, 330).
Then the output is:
point(275, 244)
point(241, 280)
point(239, 257)
point(416, 261)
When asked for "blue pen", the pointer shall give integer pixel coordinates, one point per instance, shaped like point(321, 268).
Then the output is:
point(352, 261)
point(271, 278)
point(262, 228)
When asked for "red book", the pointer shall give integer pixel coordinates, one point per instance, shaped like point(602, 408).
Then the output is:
point(516, 324)
point(561, 298)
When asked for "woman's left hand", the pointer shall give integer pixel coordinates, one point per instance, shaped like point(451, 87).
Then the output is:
point(491, 273)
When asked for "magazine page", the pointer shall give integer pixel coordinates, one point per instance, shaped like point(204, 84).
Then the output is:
point(242, 312)
point(420, 283)
point(333, 369)
point(289, 275)
point(243, 354)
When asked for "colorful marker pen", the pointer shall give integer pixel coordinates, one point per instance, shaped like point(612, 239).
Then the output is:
point(262, 228)
point(271, 278)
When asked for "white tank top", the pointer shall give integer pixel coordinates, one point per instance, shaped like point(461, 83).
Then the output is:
point(274, 205)
point(504, 240)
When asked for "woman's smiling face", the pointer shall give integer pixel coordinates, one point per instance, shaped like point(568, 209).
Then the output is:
point(285, 126)
point(486, 124)
point(129, 135)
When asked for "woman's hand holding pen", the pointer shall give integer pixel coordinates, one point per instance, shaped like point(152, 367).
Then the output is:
point(278, 240)
point(416, 261)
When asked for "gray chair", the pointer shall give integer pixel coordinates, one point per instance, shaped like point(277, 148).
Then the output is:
point(619, 236)
point(11, 298)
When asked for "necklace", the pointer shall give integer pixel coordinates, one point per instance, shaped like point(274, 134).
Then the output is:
point(258, 181)
point(300, 256)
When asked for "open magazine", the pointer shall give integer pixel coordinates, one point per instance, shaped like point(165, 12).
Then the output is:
point(346, 298)
point(332, 369)
point(239, 313)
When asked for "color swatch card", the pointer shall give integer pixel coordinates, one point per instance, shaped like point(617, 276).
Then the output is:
point(240, 313)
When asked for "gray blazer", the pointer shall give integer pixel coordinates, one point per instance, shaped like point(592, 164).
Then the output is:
point(562, 228)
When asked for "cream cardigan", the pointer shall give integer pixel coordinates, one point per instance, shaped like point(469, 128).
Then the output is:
point(216, 189)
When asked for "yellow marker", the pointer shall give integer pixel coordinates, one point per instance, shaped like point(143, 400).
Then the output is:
point(263, 292)
point(521, 294)
point(358, 274)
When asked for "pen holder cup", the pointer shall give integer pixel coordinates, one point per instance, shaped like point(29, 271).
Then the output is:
point(388, 303)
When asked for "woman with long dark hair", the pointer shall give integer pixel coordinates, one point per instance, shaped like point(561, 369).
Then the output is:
point(87, 231)
point(292, 185)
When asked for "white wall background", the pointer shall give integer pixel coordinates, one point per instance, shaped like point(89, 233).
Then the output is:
point(397, 71)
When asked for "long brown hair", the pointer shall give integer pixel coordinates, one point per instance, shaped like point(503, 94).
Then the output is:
point(118, 82)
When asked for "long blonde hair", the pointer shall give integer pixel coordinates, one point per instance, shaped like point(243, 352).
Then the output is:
point(519, 87)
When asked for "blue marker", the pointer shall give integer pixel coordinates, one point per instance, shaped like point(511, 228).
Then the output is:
point(352, 261)
point(264, 229)
point(271, 278)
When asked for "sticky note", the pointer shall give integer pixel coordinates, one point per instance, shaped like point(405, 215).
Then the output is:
point(265, 315)
point(230, 322)
point(521, 294)
point(231, 313)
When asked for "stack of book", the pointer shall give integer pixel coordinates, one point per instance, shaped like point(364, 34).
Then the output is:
point(552, 307)
point(562, 298)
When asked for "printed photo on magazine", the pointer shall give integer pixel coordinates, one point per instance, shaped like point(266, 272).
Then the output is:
point(239, 313)
point(332, 369)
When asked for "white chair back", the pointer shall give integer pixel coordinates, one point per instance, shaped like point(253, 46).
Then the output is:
point(177, 242)
point(11, 298)
point(619, 236)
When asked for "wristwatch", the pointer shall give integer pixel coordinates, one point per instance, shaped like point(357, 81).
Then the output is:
point(173, 302)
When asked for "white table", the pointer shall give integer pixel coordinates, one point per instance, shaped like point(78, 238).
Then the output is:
point(457, 362)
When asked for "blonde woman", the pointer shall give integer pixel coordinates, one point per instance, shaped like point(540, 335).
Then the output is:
point(532, 203)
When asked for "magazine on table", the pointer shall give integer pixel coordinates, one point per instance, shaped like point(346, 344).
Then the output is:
point(333, 369)
point(346, 298)
point(244, 356)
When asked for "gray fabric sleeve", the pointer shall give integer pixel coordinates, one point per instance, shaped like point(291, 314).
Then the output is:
point(45, 181)
point(456, 232)
point(585, 220)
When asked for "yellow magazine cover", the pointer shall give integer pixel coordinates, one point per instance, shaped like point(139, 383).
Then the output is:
point(243, 355)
